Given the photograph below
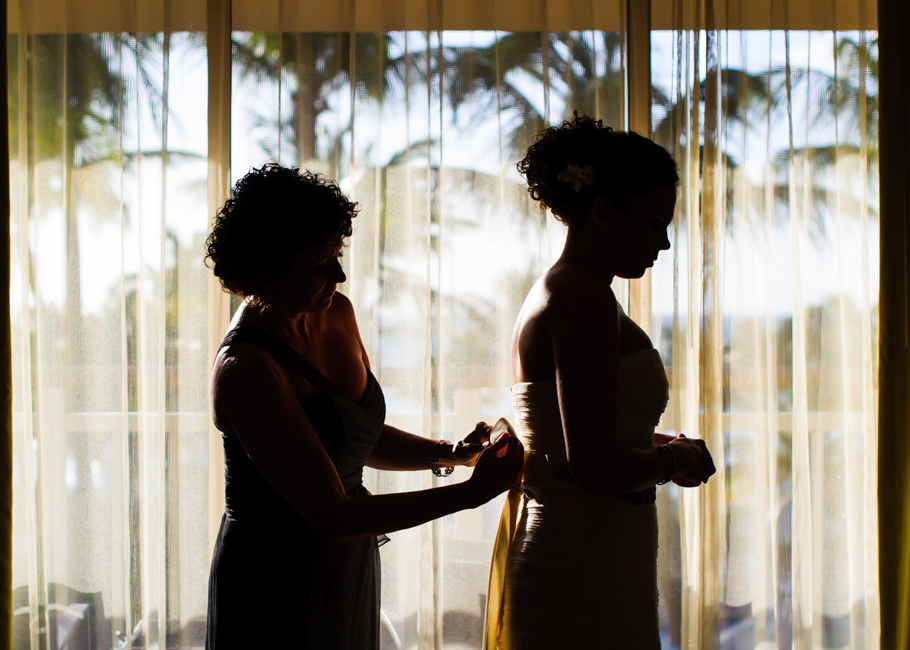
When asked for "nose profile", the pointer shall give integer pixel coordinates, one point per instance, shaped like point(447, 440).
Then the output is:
point(340, 275)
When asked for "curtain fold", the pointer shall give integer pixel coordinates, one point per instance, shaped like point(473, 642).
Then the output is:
point(6, 383)
point(770, 333)
point(218, 51)
point(126, 133)
point(108, 167)
point(894, 368)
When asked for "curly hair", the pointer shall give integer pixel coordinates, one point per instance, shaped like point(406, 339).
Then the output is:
point(272, 213)
point(625, 165)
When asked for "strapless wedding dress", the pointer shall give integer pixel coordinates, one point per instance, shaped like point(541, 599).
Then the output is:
point(576, 569)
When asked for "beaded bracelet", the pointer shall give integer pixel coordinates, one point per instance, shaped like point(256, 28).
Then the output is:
point(671, 458)
point(434, 460)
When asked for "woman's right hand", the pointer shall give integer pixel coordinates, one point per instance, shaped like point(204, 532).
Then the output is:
point(498, 467)
point(693, 461)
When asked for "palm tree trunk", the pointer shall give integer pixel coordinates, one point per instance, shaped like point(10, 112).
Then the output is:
point(76, 442)
point(73, 311)
point(305, 99)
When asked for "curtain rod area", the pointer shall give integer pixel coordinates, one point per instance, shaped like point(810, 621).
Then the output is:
point(371, 16)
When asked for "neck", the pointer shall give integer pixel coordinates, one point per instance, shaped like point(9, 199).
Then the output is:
point(292, 328)
point(585, 249)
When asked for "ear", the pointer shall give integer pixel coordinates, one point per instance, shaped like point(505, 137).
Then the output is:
point(601, 210)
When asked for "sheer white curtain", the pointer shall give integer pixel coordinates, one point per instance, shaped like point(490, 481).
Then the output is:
point(127, 123)
point(768, 319)
point(109, 326)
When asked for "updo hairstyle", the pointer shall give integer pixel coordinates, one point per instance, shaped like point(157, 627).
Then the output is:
point(273, 212)
point(625, 165)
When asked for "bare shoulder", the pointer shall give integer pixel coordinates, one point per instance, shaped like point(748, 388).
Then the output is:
point(240, 370)
point(551, 294)
point(342, 308)
point(564, 310)
point(583, 325)
point(343, 318)
point(240, 359)
point(573, 294)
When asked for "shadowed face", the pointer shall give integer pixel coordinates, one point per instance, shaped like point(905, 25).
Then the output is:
point(309, 283)
point(637, 235)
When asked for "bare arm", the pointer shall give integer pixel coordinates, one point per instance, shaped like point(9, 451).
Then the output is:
point(584, 333)
point(400, 450)
point(253, 399)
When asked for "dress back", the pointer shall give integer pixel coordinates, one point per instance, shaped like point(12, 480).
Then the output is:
point(580, 570)
point(642, 396)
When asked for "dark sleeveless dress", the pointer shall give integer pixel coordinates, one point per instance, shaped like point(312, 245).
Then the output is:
point(273, 582)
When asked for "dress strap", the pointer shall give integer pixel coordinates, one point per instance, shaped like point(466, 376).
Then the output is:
point(280, 352)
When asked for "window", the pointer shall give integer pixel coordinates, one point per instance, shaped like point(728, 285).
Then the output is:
point(764, 311)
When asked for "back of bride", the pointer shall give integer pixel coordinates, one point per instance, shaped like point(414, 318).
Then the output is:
point(576, 557)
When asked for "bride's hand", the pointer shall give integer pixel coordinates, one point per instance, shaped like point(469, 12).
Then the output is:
point(684, 482)
point(694, 462)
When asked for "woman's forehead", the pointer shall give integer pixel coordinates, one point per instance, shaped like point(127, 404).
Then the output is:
point(317, 248)
point(660, 197)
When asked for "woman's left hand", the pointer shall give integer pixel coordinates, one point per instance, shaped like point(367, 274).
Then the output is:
point(664, 439)
point(467, 450)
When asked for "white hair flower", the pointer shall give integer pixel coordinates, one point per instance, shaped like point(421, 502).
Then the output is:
point(577, 176)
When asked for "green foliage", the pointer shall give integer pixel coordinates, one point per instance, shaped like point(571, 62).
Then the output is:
point(77, 93)
point(316, 64)
point(508, 76)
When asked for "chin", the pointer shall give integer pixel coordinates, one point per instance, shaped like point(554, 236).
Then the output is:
point(322, 303)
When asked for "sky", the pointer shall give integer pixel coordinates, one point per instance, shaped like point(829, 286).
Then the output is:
point(185, 210)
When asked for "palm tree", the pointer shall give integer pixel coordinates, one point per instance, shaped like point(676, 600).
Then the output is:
point(74, 111)
point(854, 91)
point(848, 101)
point(509, 75)
point(78, 94)
point(71, 115)
point(318, 65)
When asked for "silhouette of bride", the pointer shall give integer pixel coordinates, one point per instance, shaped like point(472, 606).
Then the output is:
point(575, 564)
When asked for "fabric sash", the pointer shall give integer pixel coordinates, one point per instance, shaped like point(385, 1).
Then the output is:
point(508, 522)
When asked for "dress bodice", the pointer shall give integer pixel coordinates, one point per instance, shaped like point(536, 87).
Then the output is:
point(348, 430)
point(643, 392)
